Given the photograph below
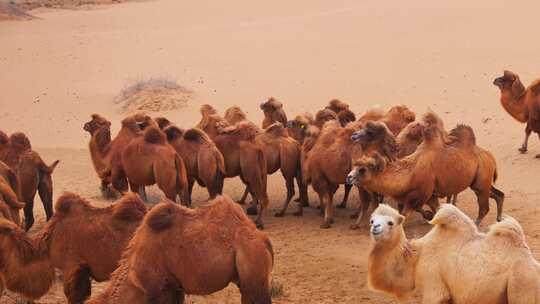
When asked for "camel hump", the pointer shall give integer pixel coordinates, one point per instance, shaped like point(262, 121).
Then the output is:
point(4, 139)
point(462, 135)
point(508, 228)
point(173, 132)
point(153, 135)
point(162, 122)
point(450, 217)
point(67, 201)
point(161, 217)
point(535, 87)
point(129, 208)
point(197, 135)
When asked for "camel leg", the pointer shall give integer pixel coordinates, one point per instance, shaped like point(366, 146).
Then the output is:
point(77, 285)
point(190, 191)
point(45, 191)
point(119, 180)
point(498, 196)
point(528, 131)
point(343, 203)
point(365, 199)
point(328, 211)
point(28, 214)
point(433, 203)
point(242, 200)
point(289, 183)
point(483, 205)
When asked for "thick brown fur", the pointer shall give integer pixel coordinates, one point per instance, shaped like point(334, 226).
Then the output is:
point(298, 126)
point(82, 241)
point(344, 114)
point(33, 175)
point(337, 105)
point(273, 112)
point(203, 160)
point(523, 104)
point(397, 118)
point(232, 251)
point(211, 123)
point(245, 158)
point(149, 160)
point(234, 115)
point(9, 185)
point(432, 171)
point(322, 116)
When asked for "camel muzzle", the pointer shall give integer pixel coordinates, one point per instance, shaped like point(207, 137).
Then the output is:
point(499, 81)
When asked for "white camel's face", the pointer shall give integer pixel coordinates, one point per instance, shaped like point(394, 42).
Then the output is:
point(381, 227)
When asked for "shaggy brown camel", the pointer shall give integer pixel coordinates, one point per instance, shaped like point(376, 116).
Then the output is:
point(245, 158)
point(81, 252)
point(432, 171)
point(149, 160)
point(454, 262)
point(234, 115)
point(523, 104)
point(9, 185)
point(232, 251)
point(322, 116)
point(273, 112)
point(33, 175)
point(344, 115)
point(330, 160)
point(204, 162)
point(100, 147)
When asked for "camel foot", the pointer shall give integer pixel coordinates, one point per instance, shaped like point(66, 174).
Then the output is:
point(499, 218)
point(354, 227)
point(355, 215)
point(523, 150)
point(252, 210)
point(297, 200)
point(537, 156)
point(342, 205)
point(428, 215)
point(240, 202)
point(298, 213)
point(279, 214)
point(259, 225)
point(325, 225)
point(305, 204)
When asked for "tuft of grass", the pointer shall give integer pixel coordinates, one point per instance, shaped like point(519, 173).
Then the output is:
point(277, 289)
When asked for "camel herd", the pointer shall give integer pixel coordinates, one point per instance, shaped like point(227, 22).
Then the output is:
point(391, 156)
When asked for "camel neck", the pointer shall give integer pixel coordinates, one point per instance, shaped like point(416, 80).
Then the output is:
point(392, 181)
point(392, 266)
point(517, 108)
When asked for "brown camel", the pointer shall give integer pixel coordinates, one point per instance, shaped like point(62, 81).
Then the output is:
point(397, 118)
point(234, 115)
point(9, 185)
point(149, 160)
point(523, 104)
point(273, 112)
point(244, 158)
point(204, 162)
point(432, 171)
point(100, 147)
point(207, 248)
point(344, 115)
point(329, 161)
point(322, 116)
point(33, 175)
point(81, 241)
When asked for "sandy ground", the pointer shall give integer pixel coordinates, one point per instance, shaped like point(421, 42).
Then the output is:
point(63, 66)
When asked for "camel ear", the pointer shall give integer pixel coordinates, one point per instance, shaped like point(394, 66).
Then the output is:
point(400, 219)
point(517, 88)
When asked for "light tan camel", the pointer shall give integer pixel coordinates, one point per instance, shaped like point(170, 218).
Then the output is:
point(80, 240)
point(207, 248)
point(453, 263)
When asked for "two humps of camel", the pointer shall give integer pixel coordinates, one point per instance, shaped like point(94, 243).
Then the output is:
point(454, 262)
point(206, 249)
point(80, 240)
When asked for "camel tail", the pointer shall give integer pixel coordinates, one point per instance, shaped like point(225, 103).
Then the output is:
point(9, 195)
point(181, 179)
point(462, 135)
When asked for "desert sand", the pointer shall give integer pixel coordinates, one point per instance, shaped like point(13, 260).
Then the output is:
point(62, 66)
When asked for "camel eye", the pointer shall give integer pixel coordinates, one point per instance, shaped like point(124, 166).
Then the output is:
point(371, 222)
point(390, 223)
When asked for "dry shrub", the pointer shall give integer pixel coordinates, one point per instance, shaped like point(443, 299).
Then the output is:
point(153, 95)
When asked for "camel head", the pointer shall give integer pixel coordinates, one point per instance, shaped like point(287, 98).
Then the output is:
point(365, 168)
point(385, 224)
point(271, 105)
point(234, 115)
point(298, 126)
point(207, 109)
point(430, 118)
point(4, 139)
point(162, 122)
point(213, 125)
point(412, 132)
point(337, 106)
point(323, 116)
point(402, 112)
point(345, 117)
point(96, 123)
point(510, 82)
point(20, 142)
point(144, 121)
point(372, 132)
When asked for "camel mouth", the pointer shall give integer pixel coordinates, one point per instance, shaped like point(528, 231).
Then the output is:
point(376, 231)
point(290, 124)
point(499, 81)
point(359, 136)
point(262, 105)
point(87, 127)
